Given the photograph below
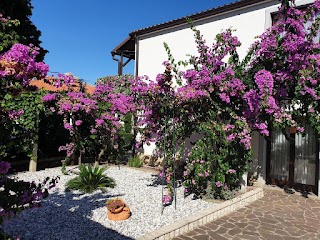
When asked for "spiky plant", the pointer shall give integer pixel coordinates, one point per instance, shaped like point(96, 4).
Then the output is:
point(90, 179)
point(135, 162)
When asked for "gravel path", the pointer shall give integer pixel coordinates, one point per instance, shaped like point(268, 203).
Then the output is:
point(71, 215)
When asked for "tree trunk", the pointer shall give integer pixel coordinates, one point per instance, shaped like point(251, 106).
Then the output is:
point(34, 154)
point(101, 153)
point(80, 158)
point(133, 143)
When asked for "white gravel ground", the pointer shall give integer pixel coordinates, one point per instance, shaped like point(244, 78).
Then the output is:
point(71, 215)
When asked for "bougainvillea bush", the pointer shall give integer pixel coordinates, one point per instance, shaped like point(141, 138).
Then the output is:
point(93, 120)
point(225, 100)
point(282, 73)
point(121, 84)
point(208, 103)
point(115, 109)
point(17, 68)
point(76, 107)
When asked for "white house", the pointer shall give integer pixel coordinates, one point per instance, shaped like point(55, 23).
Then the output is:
point(275, 161)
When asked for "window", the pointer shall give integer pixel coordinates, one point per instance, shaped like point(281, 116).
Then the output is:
point(274, 17)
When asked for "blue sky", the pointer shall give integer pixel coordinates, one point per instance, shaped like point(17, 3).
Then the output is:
point(80, 34)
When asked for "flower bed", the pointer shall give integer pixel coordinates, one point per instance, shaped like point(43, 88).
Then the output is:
point(71, 215)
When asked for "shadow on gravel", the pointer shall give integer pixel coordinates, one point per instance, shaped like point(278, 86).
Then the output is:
point(64, 217)
point(156, 181)
point(159, 181)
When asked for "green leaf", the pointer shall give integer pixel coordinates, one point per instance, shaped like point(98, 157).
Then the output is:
point(7, 97)
point(93, 136)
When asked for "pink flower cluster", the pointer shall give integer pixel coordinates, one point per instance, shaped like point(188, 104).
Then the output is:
point(14, 115)
point(100, 112)
point(20, 66)
point(166, 199)
point(288, 84)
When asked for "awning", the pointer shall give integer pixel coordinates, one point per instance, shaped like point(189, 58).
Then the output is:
point(125, 49)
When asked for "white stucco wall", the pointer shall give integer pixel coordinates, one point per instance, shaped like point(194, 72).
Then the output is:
point(248, 23)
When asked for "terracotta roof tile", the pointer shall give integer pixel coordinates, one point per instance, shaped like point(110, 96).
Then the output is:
point(45, 84)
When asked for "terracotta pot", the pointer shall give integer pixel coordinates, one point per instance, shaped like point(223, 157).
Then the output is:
point(125, 214)
point(117, 210)
point(120, 208)
point(119, 214)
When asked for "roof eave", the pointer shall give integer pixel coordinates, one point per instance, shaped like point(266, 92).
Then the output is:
point(123, 50)
point(198, 16)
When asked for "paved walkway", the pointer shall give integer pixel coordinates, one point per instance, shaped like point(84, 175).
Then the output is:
point(277, 215)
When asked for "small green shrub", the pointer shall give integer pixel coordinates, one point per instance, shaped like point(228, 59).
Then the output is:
point(223, 193)
point(135, 162)
point(90, 179)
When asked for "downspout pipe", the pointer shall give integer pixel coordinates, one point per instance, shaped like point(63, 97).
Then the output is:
point(135, 118)
point(136, 72)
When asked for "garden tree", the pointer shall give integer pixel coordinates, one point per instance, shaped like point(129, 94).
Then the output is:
point(127, 133)
point(76, 108)
point(91, 119)
point(225, 99)
point(24, 130)
point(115, 105)
point(17, 67)
point(26, 32)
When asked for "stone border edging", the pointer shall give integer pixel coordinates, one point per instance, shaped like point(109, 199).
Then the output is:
point(207, 215)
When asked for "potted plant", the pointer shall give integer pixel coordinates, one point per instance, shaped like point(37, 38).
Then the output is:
point(115, 205)
point(117, 209)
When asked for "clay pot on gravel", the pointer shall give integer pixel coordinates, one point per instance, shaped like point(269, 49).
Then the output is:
point(117, 210)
